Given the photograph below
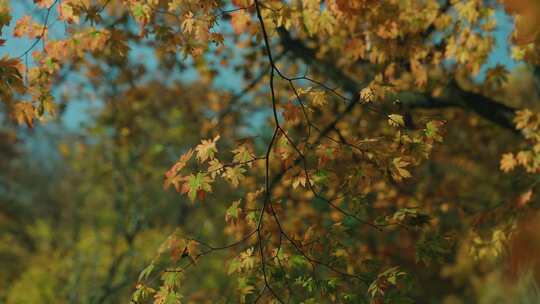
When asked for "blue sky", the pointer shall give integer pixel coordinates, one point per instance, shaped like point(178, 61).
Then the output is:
point(502, 54)
point(77, 110)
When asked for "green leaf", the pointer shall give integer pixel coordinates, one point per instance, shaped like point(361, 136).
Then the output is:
point(233, 211)
point(433, 129)
point(146, 272)
point(196, 183)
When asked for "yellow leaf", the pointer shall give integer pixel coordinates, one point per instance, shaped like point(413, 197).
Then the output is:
point(193, 249)
point(398, 171)
point(207, 149)
point(240, 20)
point(396, 120)
point(24, 113)
point(508, 162)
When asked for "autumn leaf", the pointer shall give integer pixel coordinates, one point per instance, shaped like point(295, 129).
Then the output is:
point(188, 25)
point(524, 158)
point(419, 72)
point(24, 112)
point(433, 130)
point(207, 149)
point(234, 175)
point(508, 162)
point(195, 184)
point(291, 113)
point(233, 211)
point(318, 97)
point(524, 198)
point(26, 27)
point(242, 155)
point(172, 177)
point(193, 249)
point(178, 248)
point(69, 11)
point(299, 180)
point(240, 20)
point(5, 16)
point(167, 296)
point(11, 80)
point(523, 119)
point(396, 120)
point(398, 169)
point(142, 292)
point(215, 167)
point(367, 95)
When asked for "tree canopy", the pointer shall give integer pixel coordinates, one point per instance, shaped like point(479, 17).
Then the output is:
point(270, 151)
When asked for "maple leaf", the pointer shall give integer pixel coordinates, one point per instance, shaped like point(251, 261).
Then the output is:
point(240, 20)
point(10, 77)
point(419, 72)
point(300, 180)
point(396, 120)
point(234, 175)
point(207, 149)
point(193, 249)
point(21, 26)
point(523, 119)
point(26, 27)
point(188, 24)
point(497, 75)
point(291, 113)
point(247, 259)
point(69, 11)
point(196, 184)
point(318, 97)
point(508, 162)
point(433, 130)
point(173, 179)
point(5, 16)
point(177, 248)
point(524, 157)
point(215, 167)
point(171, 176)
point(398, 169)
point(141, 292)
point(242, 155)
point(24, 112)
point(367, 94)
point(233, 211)
point(166, 296)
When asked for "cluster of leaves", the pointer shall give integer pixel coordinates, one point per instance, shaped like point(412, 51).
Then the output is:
point(197, 185)
point(529, 124)
point(322, 171)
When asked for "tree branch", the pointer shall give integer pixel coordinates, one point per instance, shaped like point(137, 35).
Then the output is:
point(452, 96)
